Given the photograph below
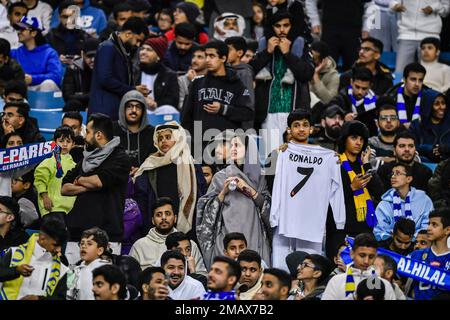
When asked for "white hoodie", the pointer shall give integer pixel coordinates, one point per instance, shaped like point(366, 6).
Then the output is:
point(79, 283)
point(414, 24)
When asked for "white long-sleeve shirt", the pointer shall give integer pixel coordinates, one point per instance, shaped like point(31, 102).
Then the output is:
point(303, 215)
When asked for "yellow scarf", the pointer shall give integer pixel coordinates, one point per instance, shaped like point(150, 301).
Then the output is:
point(22, 255)
point(361, 197)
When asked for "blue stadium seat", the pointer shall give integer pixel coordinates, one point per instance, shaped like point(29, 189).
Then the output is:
point(48, 119)
point(444, 57)
point(430, 165)
point(156, 119)
point(84, 115)
point(389, 58)
point(398, 77)
point(45, 100)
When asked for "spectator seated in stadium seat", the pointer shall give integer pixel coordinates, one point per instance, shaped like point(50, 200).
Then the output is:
point(16, 117)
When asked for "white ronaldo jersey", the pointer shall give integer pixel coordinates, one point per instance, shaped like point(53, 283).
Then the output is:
point(307, 179)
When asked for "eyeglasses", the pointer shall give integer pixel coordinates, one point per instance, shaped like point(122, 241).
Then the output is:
point(367, 49)
point(388, 118)
point(307, 264)
point(133, 106)
point(5, 212)
point(9, 115)
point(397, 173)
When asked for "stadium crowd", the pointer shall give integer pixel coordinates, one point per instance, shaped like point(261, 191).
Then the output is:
point(296, 164)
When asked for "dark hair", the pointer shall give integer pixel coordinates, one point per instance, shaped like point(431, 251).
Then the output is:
point(16, 86)
point(283, 277)
point(413, 67)
point(173, 239)
point(443, 213)
point(233, 236)
point(16, 5)
point(322, 264)
point(233, 268)
point(28, 177)
point(136, 25)
point(172, 254)
point(140, 5)
point(364, 290)
point(423, 231)
point(280, 15)
point(113, 275)
point(408, 169)
point(376, 43)
point(298, 114)
point(102, 123)
point(386, 106)
point(252, 45)
point(162, 201)
point(64, 5)
point(11, 205)
point(249, 256)
point(146, 276)
point(167, 12)
point(54, 226)
point(22, 108)
point(322, 48)
point(403, 135)
point(406, 226)
point(64, 132)
point(362, 74)
point(98, 235)
point(365, 240)
point(198, 48)
point(238, 43)
point(6, 137)
point(389, 262)
point(352, 128)
point(220, 46)
point(185, 30)
point(121, 7)
point(5, 47)
point(76, 115)
point(431, 40)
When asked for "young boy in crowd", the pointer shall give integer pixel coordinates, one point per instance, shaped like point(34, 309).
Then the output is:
point(93, 245)
point(234, 243)
point(438, 255)
point(46, 181)
point(438, 74)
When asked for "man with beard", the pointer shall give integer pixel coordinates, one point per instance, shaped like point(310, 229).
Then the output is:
point(161, 82)
point(179, 55)
point(100, 183)
point(222, 278)
point(198, 68)
point(405, 152)
point(382, 146)
point(112, 74)
point(331, 123)
point(77, 79)
point(251, 274)
point(276, 284)
point(149, 249)
point(358, 100)
point(136, 134)
point(401, 241)
point(181, 286)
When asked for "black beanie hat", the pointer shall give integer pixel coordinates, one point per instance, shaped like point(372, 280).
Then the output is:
point(190, 9)
point(353, 127)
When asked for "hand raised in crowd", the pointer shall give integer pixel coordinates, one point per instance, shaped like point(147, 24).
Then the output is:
point(427, 10)
point(272, 43)
point(436, 151)
point(350, 116)
point(225, 188)
point(243, 187)
point(285, 45)
point(161, 292)
point(133, 171)
point(142, 88)
point(365, 155)
point(360, 181)
point(191, 74)
point(319, 68)
point(152, 105)
point(212, 107)
point(7, 128)
point(399, 8)
point(191, 263)
point(25, 270)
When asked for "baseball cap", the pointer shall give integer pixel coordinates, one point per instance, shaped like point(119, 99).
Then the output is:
point(28, 23)
point(90, 46)
point(332, 110)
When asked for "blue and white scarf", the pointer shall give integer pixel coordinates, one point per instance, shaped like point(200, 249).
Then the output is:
point(411, 268)
point(368, 103)
point(401, 107)
point(229, 295)
point(397, 201)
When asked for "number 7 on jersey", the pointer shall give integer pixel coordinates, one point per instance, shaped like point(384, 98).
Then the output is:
point(307, 172)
